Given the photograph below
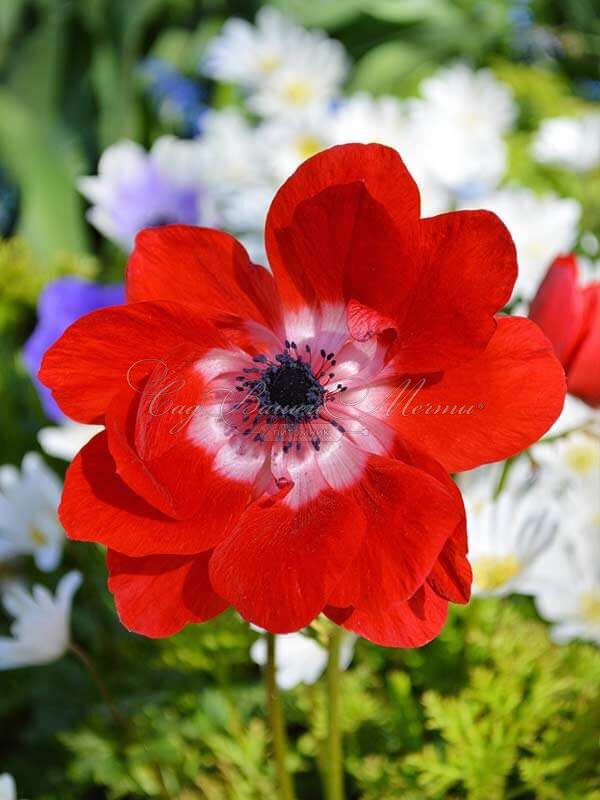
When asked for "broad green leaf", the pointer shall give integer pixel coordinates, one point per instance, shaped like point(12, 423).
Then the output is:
point(392, 68)
point(43, 163)
point(323, 14)
point(10, 13)
point(405, 11)
point(36, 69)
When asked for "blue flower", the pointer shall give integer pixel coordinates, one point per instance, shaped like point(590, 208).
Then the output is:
point(61, 303)
point(176, 98)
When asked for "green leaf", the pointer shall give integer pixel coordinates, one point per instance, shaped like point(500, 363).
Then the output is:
point(406, 11)
point(43, 163)
point(10, 13)
point(324, 14)
point(36, 69)
point(392, 68)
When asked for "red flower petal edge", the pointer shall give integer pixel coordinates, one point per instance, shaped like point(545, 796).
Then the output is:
point(569, 315)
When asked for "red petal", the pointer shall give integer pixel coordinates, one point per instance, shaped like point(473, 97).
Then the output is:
point(173, 454)
point(411, 623)
point(91, 361)
point(583, 373)
point(365, 322)
point(379, 169)
point(120, 428)
point(451, 576)
point(98, 507)
point(207, 268)
point(467, 268)
point(557, 307)
point(339, 236)
point(157, 596)
point(410, 515)
point(491, 408)
point(280, 564)
point(343, 244)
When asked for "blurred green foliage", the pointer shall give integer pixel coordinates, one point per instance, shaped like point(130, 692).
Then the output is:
point(490, 710)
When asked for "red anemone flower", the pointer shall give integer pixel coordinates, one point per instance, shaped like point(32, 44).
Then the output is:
point(569, 315)
point(280, 442)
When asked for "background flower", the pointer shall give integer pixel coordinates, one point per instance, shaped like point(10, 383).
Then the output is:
point(300, 658)
point(569, 314)
point(135, 190)
point(8, 789)
point(568, 590)
point(41, 627)
point(66, 440)
point(61, 303)
point(29, 523)
point(569, 142)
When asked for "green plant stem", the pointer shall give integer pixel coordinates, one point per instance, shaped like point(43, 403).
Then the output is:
point(284, 781)
point(118, 719)
point(87, 662)
point(334, 761)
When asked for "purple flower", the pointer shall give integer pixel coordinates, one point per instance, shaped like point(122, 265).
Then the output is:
point(62, 302)
point(135, 189)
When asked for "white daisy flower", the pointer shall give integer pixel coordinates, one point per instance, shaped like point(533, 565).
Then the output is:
point(507, 535)
point(476, 100)
point(40, 632)
point(457, 128)
point(178, 160)
point(581, 509)
point(246, 54)
point(589, 269)
point(66, 440)
point(299, 658)
point(311, 80)
point(467, 165)
point(575, 414)
point(568, 589)
point(29, 524)
point(569, 142)
point(570, 459)
point(229, 153)
point(8, 788)
point(542, 228)
point(482, 484)
point(285, 67)
point(364, 118)
point(245, 211)
point(290, 140)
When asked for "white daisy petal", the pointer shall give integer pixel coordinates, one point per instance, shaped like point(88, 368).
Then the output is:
point(41, 627)
point(28, 513)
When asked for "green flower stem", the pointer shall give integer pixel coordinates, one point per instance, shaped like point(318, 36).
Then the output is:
point(286, 788)
point(334, 761)
point(87, 662)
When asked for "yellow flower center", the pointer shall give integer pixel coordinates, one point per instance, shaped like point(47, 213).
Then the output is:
point(590, 607)
point(269, 64)
point(37, 537)
point(492, 572)
point(298, 93)
point(307, 146)
point(583, 458)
